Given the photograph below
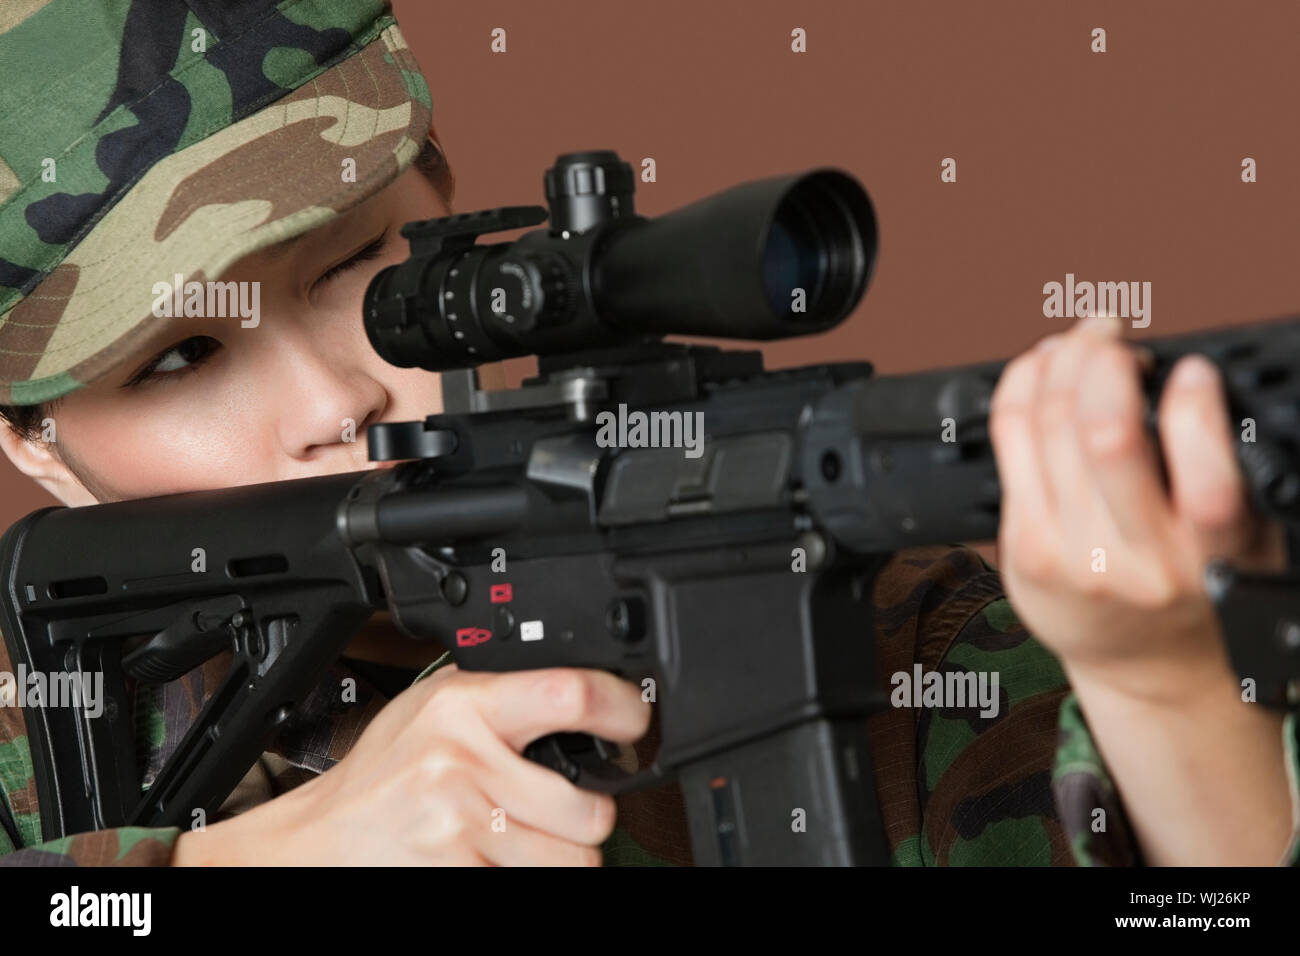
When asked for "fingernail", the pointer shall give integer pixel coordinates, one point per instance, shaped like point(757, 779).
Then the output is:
point(1194, 371)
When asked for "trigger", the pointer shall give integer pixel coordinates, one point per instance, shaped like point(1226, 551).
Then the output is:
point(578, 757)
point(593, 763)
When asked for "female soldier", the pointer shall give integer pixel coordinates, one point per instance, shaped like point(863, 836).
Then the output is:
point(285, 146)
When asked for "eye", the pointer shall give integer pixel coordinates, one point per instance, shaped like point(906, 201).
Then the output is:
point(372, 250)
point(185, 356)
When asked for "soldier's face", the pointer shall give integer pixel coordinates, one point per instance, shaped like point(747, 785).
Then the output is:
point(227, 403)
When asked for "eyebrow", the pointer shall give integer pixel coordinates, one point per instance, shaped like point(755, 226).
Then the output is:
point(279, 250)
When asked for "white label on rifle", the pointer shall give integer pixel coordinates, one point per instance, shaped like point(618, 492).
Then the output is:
point(530, 631)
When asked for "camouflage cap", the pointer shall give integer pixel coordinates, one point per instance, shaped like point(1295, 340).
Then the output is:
point(147, 139)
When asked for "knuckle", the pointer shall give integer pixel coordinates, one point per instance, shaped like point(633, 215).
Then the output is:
point(1087, 583)
point(451, 827)
point(469, 814)
point(455, 829)
point(1058, 406)
point(446, 767)
point(1114, 438)
point(1037, 563)
point(1159, 592)
point(1030, 556)
point(569, 695)
point(441, 840)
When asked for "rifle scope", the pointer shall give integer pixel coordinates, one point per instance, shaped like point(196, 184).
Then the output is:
point(769, 259)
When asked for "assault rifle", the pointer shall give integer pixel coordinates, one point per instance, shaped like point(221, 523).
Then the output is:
point(737, 579)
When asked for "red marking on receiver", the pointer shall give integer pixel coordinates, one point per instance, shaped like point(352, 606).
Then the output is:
point(469, 636)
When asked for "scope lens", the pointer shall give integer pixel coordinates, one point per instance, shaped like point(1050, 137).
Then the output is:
point(795, 258)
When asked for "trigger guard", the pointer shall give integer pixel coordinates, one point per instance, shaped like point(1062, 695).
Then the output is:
point(589, 762)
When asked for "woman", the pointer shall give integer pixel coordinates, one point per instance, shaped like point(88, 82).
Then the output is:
point(282, 148)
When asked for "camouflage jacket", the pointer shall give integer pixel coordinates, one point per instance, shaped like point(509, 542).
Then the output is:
point(955, 788)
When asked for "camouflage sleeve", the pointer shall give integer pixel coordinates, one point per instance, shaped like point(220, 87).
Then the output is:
point(123, 846)
point(964, 757)
point(20, 818)
point(1089, 802)
point(1291, 745)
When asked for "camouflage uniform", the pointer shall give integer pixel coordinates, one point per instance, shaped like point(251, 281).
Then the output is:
point(173, 159)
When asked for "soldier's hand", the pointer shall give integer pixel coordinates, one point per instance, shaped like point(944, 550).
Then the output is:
point(1102, 561)
point(438, 778)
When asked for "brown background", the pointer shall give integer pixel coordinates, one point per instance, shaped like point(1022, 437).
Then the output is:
point(1122, 166)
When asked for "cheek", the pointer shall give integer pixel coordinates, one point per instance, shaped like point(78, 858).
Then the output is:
point(173, 443)
point(172, 446)
point(223, 430)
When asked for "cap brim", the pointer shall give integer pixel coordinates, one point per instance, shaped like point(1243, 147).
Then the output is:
point(266, 178)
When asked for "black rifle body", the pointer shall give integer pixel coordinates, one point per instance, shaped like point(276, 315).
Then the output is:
point(735, 586)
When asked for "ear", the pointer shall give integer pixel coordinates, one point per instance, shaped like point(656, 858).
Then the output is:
point(38, 460)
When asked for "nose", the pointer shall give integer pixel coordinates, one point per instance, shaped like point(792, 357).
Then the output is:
point(328, 404)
